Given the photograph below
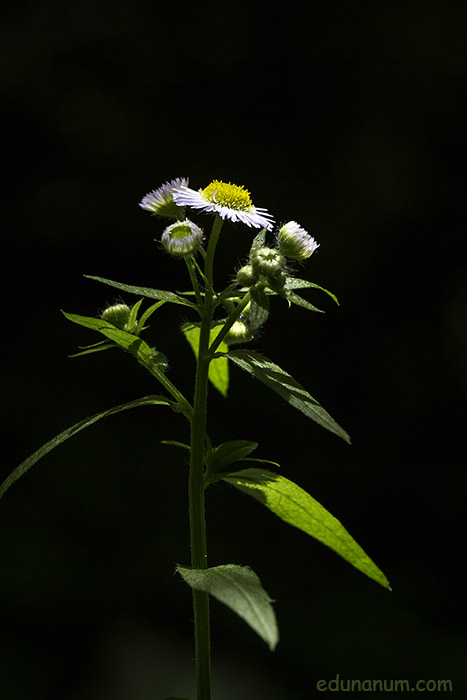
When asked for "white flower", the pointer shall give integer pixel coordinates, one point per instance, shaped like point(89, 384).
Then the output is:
point(182, 238)
point(229, 201)
point(161, 202)
point(295, 243)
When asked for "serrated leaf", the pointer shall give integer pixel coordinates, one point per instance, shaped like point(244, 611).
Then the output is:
point(219, 367)
point(295, 506)
point(74, 430)
point(144, 291)
point(287, 387)
point(240, 589)
point(229, 452)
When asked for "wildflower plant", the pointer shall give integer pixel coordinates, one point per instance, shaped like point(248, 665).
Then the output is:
point(222, 323)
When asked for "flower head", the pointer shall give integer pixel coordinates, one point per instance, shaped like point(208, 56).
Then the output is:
point(161, 201)
point(182, 238)
point(295, 243)
point(227, 200)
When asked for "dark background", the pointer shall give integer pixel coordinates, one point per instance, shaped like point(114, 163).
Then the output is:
point(345, 116)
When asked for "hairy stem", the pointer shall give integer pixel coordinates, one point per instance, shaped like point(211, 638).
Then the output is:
point(196, 481)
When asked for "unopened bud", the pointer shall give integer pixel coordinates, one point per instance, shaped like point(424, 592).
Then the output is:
point(267, 261)
point(182, 238)
point(246, 276)
point(240, 332)
point(295, 243)
point(117, 315)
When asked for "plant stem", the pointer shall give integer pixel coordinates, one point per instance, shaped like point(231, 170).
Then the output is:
point(196, 481)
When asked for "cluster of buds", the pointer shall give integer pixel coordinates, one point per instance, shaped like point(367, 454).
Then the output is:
point(268, 266)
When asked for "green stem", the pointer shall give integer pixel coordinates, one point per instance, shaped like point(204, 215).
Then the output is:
point(196, 481)
point(194, 281)
point(228, 324)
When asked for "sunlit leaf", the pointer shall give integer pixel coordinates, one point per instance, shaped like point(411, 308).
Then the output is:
point(219, 367)
point(73, 430)
point(299, 301)
point(294, 505)
point(286, 386)
point(259, 308)
point(126, 340)
point(294, 283)
point(144, 291)
point(240, 589)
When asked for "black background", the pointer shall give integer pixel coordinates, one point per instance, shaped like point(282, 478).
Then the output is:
point(347, 117)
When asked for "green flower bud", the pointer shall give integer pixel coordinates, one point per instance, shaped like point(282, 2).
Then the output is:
point(240, 332)
point(182, 238)
point(267, 261)
point(270, 265)
point(295, 243)
point(246, 276)
point(117, 315)
point(276, 282)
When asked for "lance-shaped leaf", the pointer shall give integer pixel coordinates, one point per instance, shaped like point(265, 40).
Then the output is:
point(294, 283)
point(222, 456)
point(229, 452)
point(219, 367)
point(240, 589)
point(286, 386)
point(294, 505)
point(144, 291)
point(127, 341)
point(293, 298)
point(74, 430)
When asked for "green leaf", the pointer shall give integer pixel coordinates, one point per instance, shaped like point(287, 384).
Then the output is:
point(294, 505)
point(259, 240)
point(240, 589)
point(287, 387)
point(219, 367)
point(147, 314)
point(144, 291)
point(73, 430)
point(298, 301)
point(127, 341)
point(294, 283)
point(97, 347)
point(176, 443)
point(259, 308)
point(228, 453)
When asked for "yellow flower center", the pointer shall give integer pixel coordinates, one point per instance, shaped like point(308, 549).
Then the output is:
point(228, 195)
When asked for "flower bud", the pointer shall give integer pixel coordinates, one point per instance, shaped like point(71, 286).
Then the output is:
point(246, 276)
point(267, 261)
point(240, 332)
point(182, 238)
point(295, 243)
point(269, 265)
point(117, 315)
